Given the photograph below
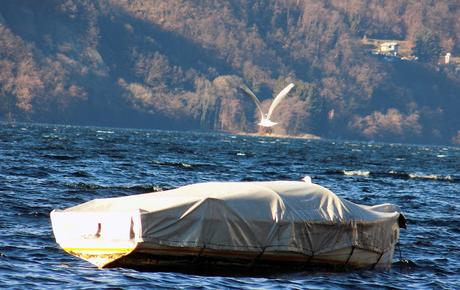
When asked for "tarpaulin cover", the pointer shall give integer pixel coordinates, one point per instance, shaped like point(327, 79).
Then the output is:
point(290, 216)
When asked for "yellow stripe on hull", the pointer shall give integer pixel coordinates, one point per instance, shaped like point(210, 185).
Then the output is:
point(110, 250)
point(99, 256)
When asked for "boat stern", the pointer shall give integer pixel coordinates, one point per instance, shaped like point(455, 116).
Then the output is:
point(97, 237)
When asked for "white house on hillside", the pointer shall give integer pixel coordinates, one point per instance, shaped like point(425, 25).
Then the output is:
point(389, 48)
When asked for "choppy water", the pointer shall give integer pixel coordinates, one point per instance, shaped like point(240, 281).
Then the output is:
point(43, 167)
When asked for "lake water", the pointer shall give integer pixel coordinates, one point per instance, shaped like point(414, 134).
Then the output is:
point(43, 167)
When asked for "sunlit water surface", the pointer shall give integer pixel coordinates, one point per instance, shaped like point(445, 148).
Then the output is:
point(43, 167)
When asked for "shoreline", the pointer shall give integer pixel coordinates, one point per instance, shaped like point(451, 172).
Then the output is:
point(301, 136)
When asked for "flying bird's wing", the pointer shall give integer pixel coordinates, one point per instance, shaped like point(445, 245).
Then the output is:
point(278, 99)
point(254, 98)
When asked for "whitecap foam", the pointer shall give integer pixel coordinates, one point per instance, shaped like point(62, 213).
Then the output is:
point(105, 132)
point(423, 176)
point(356, 172)
point(431, 176)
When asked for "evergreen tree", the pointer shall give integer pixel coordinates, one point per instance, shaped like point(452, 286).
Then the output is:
point(427, 47)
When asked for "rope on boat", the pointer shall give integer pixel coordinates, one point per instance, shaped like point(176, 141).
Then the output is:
point(258, 256)
point(310, 257)
point(381, 255)
point(399, 250)
point(199, 254)
point(351, 254)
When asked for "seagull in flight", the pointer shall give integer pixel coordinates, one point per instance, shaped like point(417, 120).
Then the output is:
point(265, 118)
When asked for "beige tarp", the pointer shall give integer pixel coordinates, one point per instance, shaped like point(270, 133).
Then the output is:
point(253, 216)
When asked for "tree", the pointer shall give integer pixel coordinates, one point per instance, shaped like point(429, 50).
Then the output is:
point(427, 46)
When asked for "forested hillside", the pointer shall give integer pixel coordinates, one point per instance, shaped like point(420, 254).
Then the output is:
point(179, 64)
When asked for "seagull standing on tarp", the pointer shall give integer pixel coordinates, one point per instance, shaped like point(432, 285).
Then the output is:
point(265, 118)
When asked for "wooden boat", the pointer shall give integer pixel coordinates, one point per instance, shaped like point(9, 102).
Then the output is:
point(245, 225)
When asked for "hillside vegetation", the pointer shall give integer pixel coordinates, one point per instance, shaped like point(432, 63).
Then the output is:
point(179, 64)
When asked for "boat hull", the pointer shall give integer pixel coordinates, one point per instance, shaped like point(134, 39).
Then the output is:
point(214, 225)
point(148, 256)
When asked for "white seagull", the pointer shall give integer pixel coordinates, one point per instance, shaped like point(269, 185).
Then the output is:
point(265, 118)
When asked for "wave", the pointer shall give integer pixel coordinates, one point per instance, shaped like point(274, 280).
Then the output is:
point(81, 173)
point(421, 176)
point(35, 172)
point(356, 173)
point(105, 132)
point(182, 165)
point(135, 187)
point(349, 172)
point(61, 157)
point(433, 177)
point(396, 174)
